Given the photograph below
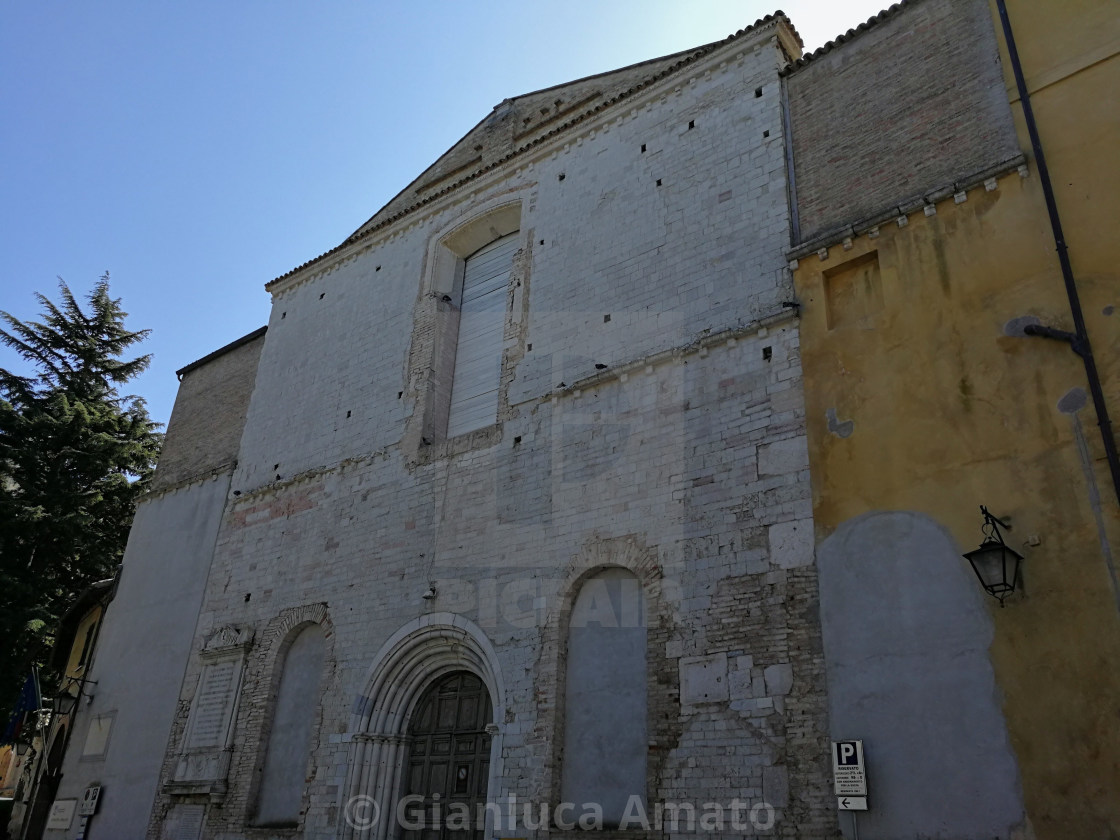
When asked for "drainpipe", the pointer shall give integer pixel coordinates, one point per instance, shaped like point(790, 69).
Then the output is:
point(1079, 338)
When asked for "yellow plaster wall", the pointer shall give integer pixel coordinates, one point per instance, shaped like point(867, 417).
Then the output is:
point(1070, 53)
point(8, 776)
point(949, 413)
point(88, 621)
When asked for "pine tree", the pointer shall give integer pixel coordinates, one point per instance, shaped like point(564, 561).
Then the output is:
point(75, 455)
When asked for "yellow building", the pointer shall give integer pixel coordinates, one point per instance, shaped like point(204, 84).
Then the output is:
point(72, 658)
point(927, 395)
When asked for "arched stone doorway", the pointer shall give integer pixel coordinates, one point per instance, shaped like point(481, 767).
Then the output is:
point(416, 660)
point(449, 760)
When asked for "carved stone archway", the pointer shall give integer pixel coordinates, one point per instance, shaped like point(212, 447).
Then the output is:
point(411, 660)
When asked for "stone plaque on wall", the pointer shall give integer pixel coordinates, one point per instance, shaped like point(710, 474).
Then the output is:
point(212, 704)
point(704, 679)
point(184, 822)
point(204, 760)
point(97, 736)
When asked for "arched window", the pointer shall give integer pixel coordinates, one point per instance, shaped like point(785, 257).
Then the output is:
point(605, 741)
point(478, 351)
point(449, 759)
point(289, 740)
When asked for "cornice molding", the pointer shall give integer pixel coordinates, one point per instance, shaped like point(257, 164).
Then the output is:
point(899, 213)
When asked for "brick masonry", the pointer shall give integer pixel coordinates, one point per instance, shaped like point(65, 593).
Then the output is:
point(651, 417)
point(204, 432)
point(912, 104)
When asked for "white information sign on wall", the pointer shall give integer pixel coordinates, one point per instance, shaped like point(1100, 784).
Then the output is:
point(849, 774)
point(62, 814)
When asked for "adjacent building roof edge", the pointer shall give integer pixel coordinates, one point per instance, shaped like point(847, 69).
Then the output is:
point(233, 345)
point(102, 592)
point(689, 57)
point(851, 34)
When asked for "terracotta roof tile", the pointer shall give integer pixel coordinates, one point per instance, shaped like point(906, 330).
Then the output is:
point(843, 38)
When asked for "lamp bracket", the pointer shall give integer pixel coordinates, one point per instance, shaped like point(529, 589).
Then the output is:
point(989, 518)
point(81, 683)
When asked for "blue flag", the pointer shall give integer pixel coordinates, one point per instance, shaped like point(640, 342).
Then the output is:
point(29, 701)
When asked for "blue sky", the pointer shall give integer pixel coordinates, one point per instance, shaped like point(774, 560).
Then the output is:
point(198, 150)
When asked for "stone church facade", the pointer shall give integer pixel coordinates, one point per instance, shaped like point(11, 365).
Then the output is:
point(616, 547)
point(504, 526)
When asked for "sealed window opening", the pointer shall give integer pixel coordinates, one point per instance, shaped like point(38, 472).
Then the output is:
point(478, 352)
point(284, 775)
point(605, 743)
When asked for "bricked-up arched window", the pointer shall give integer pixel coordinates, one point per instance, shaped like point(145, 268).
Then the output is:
point(478, 352)
point(289, 739)
point(605, 741)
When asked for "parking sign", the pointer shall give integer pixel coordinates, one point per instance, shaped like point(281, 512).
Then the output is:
point(849, 776)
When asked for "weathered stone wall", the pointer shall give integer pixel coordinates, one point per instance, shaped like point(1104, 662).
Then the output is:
point(145, 642)
point(650, 418)
point(204, 432)
point(147, 635)
point(910, 105)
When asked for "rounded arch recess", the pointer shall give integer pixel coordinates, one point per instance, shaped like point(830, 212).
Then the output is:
point(627, 553)
point(262, 690)
point(412, 658)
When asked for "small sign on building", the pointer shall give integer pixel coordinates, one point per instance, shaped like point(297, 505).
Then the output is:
point(849, 775)
point(62, 814)
point(89, 801)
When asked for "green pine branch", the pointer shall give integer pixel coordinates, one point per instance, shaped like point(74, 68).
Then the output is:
point(75, 455)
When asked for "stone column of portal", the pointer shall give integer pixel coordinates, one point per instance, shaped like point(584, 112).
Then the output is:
point(389, 780)
point(368, 776)
point(495, 733)
point(350, 788)
point(373, 783)
point(363, 750)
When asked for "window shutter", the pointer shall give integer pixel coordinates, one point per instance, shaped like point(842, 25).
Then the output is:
point(478, 354)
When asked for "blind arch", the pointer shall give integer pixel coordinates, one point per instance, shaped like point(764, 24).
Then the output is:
point(289, 739)
point(605, 704)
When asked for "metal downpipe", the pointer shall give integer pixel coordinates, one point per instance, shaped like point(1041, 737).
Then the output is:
point(1080, 339)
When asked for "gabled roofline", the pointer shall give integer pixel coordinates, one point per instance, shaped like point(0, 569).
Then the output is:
point(691, 56)
point(493, 110)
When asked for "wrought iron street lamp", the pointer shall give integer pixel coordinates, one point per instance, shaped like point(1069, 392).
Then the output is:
point(996, 564)
point(63, 704)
